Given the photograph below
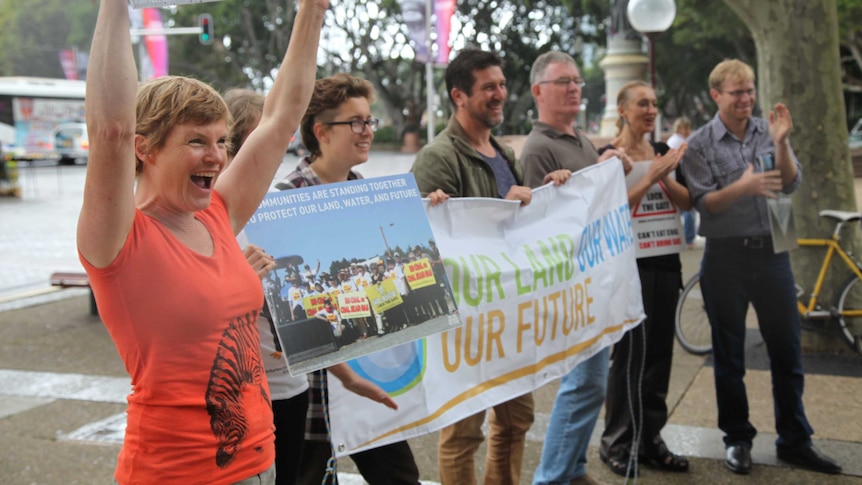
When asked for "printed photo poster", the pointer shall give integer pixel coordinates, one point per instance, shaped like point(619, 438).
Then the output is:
point(655, 220)
point(540, 288)
point(358, 270)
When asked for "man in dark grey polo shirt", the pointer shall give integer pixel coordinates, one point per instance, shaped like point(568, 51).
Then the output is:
point(729, 188)
point(554, 144)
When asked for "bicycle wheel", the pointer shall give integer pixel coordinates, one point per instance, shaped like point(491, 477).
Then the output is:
point(848, 314)
point(692, 325)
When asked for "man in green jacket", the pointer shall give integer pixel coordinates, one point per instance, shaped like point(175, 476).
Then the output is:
point(464, 160)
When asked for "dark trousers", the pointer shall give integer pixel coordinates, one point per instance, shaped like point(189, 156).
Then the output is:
point(734, 273)
point(648, 350)
point(289, 420)
point(391, 464)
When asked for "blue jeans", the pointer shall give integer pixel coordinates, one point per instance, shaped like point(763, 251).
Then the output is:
point(734, 273)
point(576, 410)
point(689, 225)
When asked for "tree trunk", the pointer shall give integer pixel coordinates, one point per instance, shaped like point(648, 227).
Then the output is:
point(799, 65)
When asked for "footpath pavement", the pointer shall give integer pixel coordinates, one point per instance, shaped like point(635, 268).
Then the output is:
point(63, 387)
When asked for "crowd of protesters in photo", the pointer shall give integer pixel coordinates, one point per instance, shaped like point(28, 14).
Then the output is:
point(290, 288)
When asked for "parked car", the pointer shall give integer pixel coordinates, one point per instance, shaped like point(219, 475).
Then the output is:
point(71, 142)
point(295, 146)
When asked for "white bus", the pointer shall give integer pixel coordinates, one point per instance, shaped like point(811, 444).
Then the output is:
point(31, 108)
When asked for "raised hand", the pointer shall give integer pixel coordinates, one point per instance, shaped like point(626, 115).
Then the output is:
point(780, 123)
point(663, 165)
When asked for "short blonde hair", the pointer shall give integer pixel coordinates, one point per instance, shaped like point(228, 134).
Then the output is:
point(730, 70)
point(681, 123)
point(168, 101)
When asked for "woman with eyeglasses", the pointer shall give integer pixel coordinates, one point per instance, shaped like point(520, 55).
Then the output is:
point(337, 130)
point(635, 407)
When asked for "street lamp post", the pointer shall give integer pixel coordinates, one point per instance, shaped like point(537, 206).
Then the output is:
point(651, 18)
point(386, 243)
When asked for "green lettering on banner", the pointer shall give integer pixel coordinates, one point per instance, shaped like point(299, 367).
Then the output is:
point(469, 299)
point(492, 276)
point(521, 288)
point(555, 265)
point(475, 281)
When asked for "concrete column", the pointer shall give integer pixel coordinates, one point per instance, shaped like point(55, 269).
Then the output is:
point(625, 61)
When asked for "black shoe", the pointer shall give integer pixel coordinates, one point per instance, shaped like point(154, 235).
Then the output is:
point(810, 458)
point(619, 467)
point(739, 458)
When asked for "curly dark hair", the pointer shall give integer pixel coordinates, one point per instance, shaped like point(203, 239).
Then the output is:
point(459, 73)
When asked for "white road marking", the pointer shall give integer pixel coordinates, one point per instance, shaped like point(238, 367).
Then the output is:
point(53, 385)
point(23, 390)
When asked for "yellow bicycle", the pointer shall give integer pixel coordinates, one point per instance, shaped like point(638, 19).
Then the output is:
point(692, 325)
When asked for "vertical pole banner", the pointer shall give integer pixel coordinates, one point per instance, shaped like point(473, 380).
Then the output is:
point(539, 289)
point(413, 13)
point(443, 11)
point(69, 63)
point(157, 45)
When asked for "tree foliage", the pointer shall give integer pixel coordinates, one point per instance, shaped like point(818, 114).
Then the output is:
point(850, 37)
point(369, 38)
point(703, 34)
point(520, 32)
point(251, 37)
point(33, 32)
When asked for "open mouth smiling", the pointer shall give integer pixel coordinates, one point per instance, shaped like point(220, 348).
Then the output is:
point(204, 180)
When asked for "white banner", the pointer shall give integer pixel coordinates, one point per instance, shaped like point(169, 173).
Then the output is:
point(655, 220)
point(539, 289)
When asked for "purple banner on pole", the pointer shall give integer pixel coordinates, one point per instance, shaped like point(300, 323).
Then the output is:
point(413, 12)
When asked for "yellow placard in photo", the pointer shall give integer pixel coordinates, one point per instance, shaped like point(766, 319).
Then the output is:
point(419, 274)
point(383, 296)
point(313, 304)
point(353, 305)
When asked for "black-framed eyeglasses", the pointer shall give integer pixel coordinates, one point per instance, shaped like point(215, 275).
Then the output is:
point(565, 81)
point(739, 92)
point(357, 126)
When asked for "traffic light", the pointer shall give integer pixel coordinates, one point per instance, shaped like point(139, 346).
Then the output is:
point(205, 21)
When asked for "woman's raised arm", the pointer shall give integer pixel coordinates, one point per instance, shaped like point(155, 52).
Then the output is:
point(245, 182)
point(108, 209)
